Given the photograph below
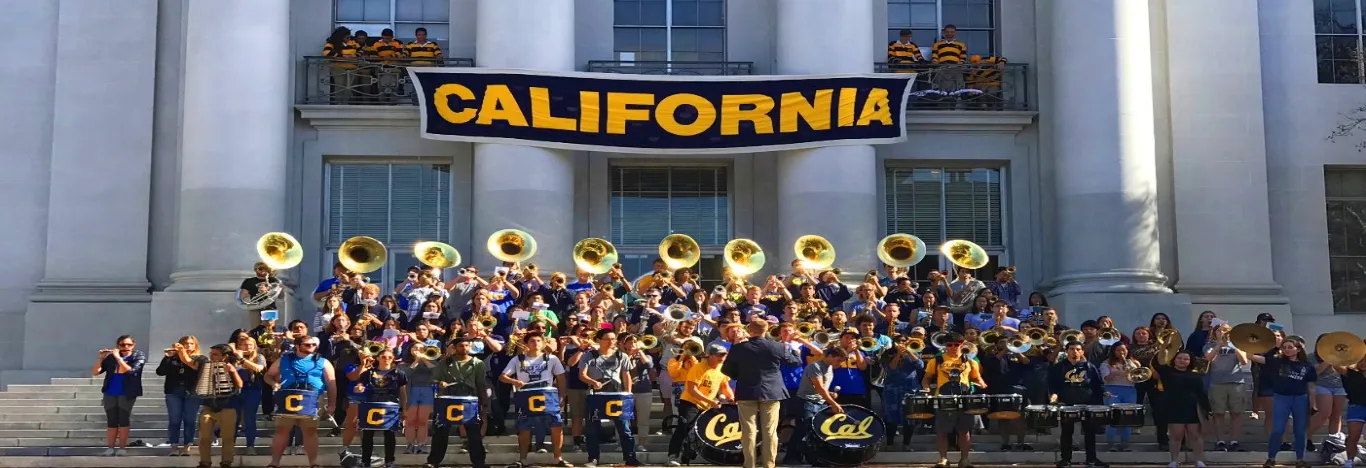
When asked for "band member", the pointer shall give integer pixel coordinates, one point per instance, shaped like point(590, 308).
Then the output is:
point(808, 305)
point(251, 365)
point(180, 366)
point(832, 291)
point(382, 383)
point(220, 412)
point(420, 398)
point(1075, 381)
point(1226, 390)
point(1186, 404)
point(535, 369)
point(705, 389)
point(122, 369)
point(1115, 372)
point(1354, 381)
point(953, 373)
point(814, 395)
point(1330, 395)
point(904, 371)
point(257, 285)
point(460, 374)
point(607, 370)
point(905, 297)
point(755, 365)
point(642, 365)
point(1004, 372)
point(302, 369)
point(963, 290)
point(1292, 382)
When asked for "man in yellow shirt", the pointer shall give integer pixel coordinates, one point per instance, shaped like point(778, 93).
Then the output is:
point(948, 53)
point(952, 373)
point(704, 384)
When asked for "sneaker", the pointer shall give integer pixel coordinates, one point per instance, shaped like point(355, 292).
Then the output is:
point(633, 462)
point(411, 449)
point(1097, 464)
point(162, 445)
point(1286, 446)
point(216, 442)
point(542, 449)
point(673, 461)
point(120, 453)
point(1308, 445)
point(943, 463)
point(107, 452)
point(591, 464)
point(1269, 463)
point(391, 465)
point(1236, 447)
point(1064, 464)
point(1174, 465)
point(1221, 446)
point(1199, 464)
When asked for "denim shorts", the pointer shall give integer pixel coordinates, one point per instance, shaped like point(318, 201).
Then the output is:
point(538, 421)
point(421, 395)
point(1356, 413)
point(1330, 391)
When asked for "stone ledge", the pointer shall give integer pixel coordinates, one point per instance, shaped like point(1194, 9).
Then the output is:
point(91, 290)
point(1238, 294)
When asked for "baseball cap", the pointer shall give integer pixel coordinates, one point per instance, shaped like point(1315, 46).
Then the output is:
point(920, 330)
point(715, 349)
point(1265, 317)
point(850, 331)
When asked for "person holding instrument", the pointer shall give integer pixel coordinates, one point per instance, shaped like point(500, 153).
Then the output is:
point(460, 374)
point(1186, 404)
point(382, 383)
point(704, 389)
point(904, 370)
point(1354, 381)
point(607, 369)
point(953, 373)
point(1292, 381)
point(1075, 381)
point(122, 369)
point(535, 369)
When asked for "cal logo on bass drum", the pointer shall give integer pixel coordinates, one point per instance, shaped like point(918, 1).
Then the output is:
point(716, 436)
point(848, 439)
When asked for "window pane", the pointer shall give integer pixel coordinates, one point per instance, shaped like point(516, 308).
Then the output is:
point(978, 42)
point(377, 10)
point(653, 12)
point(685, 12)
point(350, 10)
point(358, 202)
point(436, 11)
point(685, 40)
point(711, 13)
point(925, 16)
point(626, 39)
point(1345, 47)
point(626, 12)
point(372, 29)
point(653, 40)
point(1349, 283)
point(711, 40)
point(1326, 72)
point(1346, 212)
point(1347, 71)
point(913, 204)
point(407, 10)
point(1344, 16)
point(972, 201)
point(1345, 183)
point(898, 14)
point(649, 203)
point(435, 31)
point(420, 204)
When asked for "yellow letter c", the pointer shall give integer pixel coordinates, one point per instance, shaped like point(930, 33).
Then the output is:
point(375, 416)
point(441, 99)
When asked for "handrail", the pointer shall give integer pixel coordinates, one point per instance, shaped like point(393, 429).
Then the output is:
point(677, 67)
point(371, 81)
point(967, 86)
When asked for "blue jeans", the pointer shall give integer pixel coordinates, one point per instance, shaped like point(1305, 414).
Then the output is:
point(1120, 394)
point(1295, 407)
point(181, 411)
point(249, 404)
point(797, 451)
point(594, 433)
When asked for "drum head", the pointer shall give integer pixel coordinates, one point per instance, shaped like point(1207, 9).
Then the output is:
point(717, 435)
point(848, 439)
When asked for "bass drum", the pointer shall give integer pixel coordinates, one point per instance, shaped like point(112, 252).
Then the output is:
point(849, 439)
point(716, 436)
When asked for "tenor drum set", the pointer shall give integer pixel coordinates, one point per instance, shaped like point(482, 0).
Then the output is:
point(998, 407)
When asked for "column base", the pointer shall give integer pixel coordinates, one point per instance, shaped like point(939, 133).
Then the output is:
point(210, 316)
point(1133, 280)
point(1128, 309)
point(208, 280)
point(67, 335)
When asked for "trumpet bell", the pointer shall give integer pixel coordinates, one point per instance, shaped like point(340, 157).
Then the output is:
point(821, 338)
point(901, 250)
point(594, 255)
point(436, 254)
point(1253, 338)
point(744, 257)
point(677, 313)
point(1341, 348)
point(431, 353)
point(915, 345)
point(512, 245)
point(814, 251)
point(868, 344)
point(965, 254)
point(279, 250)
point(679, 251)
point(362, 254)
point(648, 342)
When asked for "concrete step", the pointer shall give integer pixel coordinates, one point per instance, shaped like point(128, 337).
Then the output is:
point(80, 380)
point(55, 389)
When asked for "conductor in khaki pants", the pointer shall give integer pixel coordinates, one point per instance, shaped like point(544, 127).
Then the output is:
point(755, 366)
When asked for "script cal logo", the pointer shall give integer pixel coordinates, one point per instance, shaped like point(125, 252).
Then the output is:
point(846, 431)
point(729, 432)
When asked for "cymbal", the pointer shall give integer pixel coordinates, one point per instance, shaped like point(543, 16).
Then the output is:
point(1252, 338)
point(1341, 348)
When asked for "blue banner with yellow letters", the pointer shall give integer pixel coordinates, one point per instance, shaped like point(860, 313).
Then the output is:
point(661, 114)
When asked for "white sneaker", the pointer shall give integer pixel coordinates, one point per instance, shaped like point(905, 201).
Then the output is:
point(673, 461)
point(109, 452)
point(591, 464)
point(162, 445)
point(1173, 464)
point(120, 453)
point(641, 448)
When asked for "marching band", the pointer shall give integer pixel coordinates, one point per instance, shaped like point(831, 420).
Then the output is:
point(455, 357)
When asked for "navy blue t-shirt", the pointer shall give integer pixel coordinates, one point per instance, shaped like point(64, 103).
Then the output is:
point(1292, 378)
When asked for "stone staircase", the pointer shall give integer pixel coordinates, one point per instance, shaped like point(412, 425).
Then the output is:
point(62, 424)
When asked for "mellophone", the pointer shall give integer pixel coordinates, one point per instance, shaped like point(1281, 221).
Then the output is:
point(848, 439)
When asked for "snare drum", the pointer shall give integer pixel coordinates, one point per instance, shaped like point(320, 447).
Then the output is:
point(1097, 417)
point(918, 406)
point(1127, 415)
point(1071, 414)
point(974, 404)
point(537, 401)
point(948, 403)
point(378, 415)
point(620, 406)
point(296, 403)
point(455, 410)
point(1041, 416)
point(1005, 406)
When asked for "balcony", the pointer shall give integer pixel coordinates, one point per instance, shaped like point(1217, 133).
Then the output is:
point(671, 68)
point(365, 82)
point(966, 87)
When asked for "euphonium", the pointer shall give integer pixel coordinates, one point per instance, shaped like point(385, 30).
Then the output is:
point(743, 257)
point(362, 254)
point(806, 329)
point(901, 250)
point(1036, 336)
point(373, 348)
point(595, 255)
point(915, 345)
point(436, 254)
point(1109, 336)
point(965, 254)
point(511, 245)
point(648, 342)
point(814, 251)
point(867, 344)
point(431, 353)
point(692, 347)
point(679, 251)
point(1068, 336)
point(279, 251)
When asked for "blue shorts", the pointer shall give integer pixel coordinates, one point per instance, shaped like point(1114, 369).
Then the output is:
point(1330, 391)
point(354, 399)
point(421, 395)
point(539, 422)
point(1356, 413)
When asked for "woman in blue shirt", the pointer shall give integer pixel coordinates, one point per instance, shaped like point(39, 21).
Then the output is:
point(122, 369)
point(1292, 382)
point(903, 370)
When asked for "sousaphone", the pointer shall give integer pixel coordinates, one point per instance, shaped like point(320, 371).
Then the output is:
point(594, 255)
point(901, 250)
point(965, 254)
point(362, 254)
point(679, 251)
point(743, 257)
point(1252, 338)
point(815, 252)
point(436, 254)
point(1341, 349)
point(512, 245)
point(279, 251)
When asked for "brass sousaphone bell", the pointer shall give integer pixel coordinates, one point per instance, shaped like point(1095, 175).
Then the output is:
point(965, 254)
point(679, 251)
point(901, 250)
point(436, 254)
point(594, 255)
point(1252, 338)
point(279, 251)
point(512, 245)
point(1341, 349)
point(362, 254)
point(814, 251)
point(743, 257)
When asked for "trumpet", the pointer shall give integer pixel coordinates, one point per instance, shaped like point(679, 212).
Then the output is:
point(431, 353)
point(868, 344)
point(692, 347)
point(915, 345)
point(1109, 336)
point(806, 329)
point(821, 338)
point(373, 348)
point(648, 342)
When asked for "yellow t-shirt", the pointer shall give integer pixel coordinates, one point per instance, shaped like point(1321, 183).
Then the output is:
point(680, 372)
point(709, 382)
point(966, 370)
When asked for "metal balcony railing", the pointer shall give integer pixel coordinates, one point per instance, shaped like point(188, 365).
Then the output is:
point(966, 86)
point(328, 80)
point(671, 68)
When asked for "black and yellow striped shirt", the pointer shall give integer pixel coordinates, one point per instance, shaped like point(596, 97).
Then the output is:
point(349, 50)
point(426, 50)
point(988, 74)
point(392, 48)
point(902, 54)
point(949, 52)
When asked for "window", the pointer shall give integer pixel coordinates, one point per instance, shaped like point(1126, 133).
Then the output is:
point(677, 30)
point(1337, 40)
point(398, 204)
point(1346, 197)
point(975, 20)
point(939, 204)
point(403, 16)
point(651, 202)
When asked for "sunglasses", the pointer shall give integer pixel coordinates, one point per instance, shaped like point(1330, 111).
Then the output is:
point(125, 345)
point(313, 345)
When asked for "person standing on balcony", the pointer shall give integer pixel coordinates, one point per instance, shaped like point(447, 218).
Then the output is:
point(902, 55)
point(948, 53)
point(342, 52)
point(389, 72)
point(420, 48)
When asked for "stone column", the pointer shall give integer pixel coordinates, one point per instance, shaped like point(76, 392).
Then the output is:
point(525, 187)
point(1105, 163)
point(831, 191)
point(100, 185)
point(1219, 159)
point(236, 140)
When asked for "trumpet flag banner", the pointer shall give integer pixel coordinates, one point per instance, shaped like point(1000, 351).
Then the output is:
point(660, 114)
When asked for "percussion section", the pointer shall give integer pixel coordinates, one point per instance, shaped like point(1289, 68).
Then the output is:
point(851, 438)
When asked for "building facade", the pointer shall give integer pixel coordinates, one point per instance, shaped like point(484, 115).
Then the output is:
point(1124, 173)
